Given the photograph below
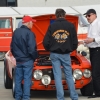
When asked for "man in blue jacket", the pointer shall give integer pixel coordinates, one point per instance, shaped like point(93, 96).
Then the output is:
point(23, 48)
point(60, 40)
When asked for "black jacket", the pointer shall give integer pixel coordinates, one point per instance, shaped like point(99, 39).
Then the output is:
point(61, 37)
point(23, 45)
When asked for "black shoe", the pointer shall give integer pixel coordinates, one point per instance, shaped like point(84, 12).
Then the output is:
point(93, 96)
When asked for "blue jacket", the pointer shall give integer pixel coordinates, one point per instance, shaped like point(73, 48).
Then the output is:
point(23, 44)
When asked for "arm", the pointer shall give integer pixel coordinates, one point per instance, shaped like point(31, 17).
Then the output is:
point(46, 40)
point(97, 40)
point(75, 40)
point(32, 47)
point(11, 44)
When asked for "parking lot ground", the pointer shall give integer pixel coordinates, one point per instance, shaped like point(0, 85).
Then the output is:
point(6, 94)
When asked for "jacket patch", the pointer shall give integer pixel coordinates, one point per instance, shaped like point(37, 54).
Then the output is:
point(60, 35)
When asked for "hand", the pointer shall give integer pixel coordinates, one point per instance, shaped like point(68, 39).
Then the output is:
point(80, 42)
point(88, 40)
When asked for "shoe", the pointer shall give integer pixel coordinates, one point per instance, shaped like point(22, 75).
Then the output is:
point(93, 96)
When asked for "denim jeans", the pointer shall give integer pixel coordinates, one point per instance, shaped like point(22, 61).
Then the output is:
point(64, 60)
point(23, 71)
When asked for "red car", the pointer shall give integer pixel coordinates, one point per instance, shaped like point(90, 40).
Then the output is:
point(43, 78)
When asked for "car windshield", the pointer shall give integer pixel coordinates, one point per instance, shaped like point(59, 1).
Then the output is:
point(5, 23)
point(17, 21)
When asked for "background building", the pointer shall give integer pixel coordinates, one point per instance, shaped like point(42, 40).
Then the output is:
point(4, 3)
point(55, 3)
point(47, 3)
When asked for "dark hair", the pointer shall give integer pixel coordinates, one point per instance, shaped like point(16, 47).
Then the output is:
point(60, 13)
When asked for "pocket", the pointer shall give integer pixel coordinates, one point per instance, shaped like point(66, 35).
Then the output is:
point(66, 57)
point(93, 33)
point(52, 56)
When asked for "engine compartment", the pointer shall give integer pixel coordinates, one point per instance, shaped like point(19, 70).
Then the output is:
point(44, 60)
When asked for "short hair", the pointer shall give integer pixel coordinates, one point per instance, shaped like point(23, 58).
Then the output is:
point(60, 13)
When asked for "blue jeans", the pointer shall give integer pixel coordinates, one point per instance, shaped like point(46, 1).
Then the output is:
point(23, 71)
point(64, 60)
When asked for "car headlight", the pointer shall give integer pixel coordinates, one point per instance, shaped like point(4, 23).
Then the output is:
point(37, 74)
point(46, 79)
point(77, 74)
point(87, 73)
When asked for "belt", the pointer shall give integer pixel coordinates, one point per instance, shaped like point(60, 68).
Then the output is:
point(95, 48)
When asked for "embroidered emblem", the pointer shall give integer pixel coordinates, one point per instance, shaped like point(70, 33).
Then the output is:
point(60, 36)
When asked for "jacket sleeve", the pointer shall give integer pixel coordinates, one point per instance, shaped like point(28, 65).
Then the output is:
point(46, 40)
point(75, 39)
point(97, 39)
point(32, 47)
point(11, 44)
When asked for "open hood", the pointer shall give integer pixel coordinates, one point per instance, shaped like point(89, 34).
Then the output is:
point(41, 25)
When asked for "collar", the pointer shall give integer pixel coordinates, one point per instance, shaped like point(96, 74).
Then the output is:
point(60, 19)
point(94, 22)
point(23, 26)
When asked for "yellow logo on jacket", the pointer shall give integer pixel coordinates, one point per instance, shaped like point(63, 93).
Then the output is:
point(60, 35)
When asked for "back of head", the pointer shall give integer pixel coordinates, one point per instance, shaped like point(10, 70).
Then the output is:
point(28, 21)
point(60, 13)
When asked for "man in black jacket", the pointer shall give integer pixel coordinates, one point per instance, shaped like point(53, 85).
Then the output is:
point(60, 40)
point(23, 48)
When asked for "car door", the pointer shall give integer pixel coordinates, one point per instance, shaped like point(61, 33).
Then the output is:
point(6, 30)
